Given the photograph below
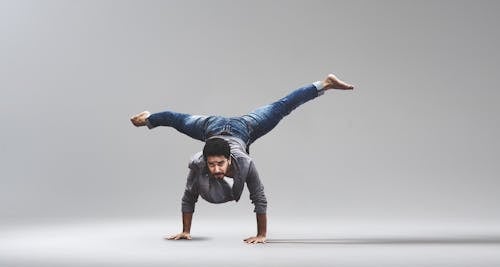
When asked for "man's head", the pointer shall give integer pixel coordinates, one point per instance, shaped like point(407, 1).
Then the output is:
point(217, 154)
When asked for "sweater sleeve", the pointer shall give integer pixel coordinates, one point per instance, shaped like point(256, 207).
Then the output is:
point(256, 190)
point(190, 193)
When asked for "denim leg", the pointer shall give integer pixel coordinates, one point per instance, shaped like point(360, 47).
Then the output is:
point(264, 119)
point(191, 125)
point(248, 127)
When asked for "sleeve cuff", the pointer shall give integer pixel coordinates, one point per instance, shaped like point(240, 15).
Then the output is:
point(187, 209)
point(260, 209)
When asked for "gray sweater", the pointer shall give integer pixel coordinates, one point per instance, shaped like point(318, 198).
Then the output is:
point(201, 183)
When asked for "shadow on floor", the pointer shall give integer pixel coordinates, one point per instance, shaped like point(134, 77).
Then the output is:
point(494, 240)
point(194, 238)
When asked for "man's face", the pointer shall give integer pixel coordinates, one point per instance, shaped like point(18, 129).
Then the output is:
point(218, 166)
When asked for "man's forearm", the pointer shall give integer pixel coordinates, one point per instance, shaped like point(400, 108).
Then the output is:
point(261, 224)
point(187, 217)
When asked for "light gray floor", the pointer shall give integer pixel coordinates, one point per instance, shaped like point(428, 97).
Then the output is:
point(137, 242)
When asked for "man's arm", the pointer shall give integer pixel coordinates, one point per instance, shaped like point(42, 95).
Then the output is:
point(261, 230)
point(261, 224)
point(258, 198)
point(187, 217)
point(188, 203)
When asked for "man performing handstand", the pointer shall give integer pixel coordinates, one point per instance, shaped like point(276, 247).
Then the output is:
point(219, 173)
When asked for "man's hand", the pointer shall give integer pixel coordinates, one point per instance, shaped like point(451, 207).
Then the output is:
point(255, 240)
point(182, 235)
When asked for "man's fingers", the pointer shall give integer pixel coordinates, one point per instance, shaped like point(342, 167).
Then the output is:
point(179, 236)
point(254, 240)
point(251, 241)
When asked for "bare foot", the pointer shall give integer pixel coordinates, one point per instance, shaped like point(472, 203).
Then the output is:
point(140, 119)
point(332, 82)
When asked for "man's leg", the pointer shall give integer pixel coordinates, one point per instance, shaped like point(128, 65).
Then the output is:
point(264, 119)
point(191, 125)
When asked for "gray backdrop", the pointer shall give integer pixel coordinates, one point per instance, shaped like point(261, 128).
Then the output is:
point(415, 141)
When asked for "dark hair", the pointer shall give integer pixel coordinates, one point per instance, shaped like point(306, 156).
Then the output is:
point(216, 147)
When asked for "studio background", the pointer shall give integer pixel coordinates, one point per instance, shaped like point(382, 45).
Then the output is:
point(416, 141)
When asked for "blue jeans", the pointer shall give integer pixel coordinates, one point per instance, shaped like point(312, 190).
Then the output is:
point(247, 127)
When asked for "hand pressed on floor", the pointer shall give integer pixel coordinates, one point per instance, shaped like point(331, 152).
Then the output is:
point(182, 235)
point(255, 240)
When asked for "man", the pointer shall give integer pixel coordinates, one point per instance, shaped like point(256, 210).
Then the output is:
point(220, 172)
